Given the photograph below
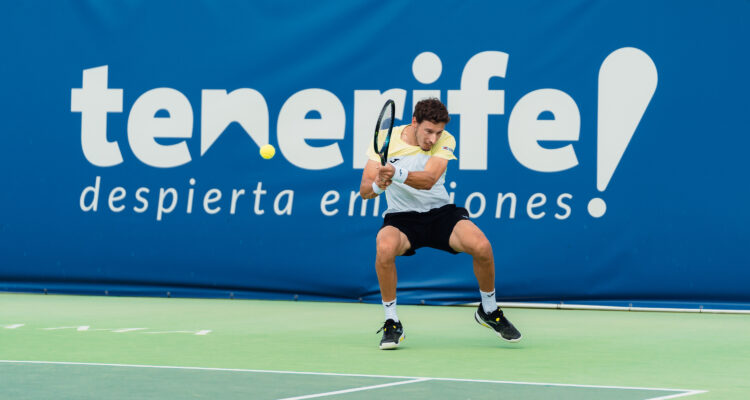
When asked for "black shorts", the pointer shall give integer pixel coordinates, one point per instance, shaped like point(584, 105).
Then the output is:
point(427, 229)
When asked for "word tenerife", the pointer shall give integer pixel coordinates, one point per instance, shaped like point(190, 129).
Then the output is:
point(166, 113)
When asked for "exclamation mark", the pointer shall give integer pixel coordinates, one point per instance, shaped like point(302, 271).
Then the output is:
point(627, 82)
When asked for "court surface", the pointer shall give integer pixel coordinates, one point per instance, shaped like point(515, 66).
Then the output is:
point(87, 347)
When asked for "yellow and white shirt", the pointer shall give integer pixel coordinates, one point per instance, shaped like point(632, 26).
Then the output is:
point(402, 197)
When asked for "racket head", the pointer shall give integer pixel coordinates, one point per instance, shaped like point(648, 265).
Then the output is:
point(383, 130)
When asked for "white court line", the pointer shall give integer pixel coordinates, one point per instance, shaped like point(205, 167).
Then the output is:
point(87, 328)
point(14, 326)
point(685, 392)
point(566, 306)
point(674, 396)
point(65, 327)
point(359, 389)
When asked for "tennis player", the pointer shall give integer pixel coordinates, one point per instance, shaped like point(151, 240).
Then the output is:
point(420, 214)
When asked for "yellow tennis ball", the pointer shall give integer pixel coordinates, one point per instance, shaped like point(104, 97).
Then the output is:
point(267, 151)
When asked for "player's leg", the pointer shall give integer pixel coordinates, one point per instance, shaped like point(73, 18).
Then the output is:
point(468, 238)
point(390, 242)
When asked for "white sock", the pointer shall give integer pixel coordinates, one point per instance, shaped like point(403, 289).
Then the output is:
point(489, 304)
point(390, 310)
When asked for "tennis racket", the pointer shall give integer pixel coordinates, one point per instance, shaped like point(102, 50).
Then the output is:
point(383, 130)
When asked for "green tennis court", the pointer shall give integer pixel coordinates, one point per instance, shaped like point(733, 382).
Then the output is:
point(113, 347)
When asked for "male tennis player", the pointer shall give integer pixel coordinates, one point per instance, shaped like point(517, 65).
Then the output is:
point(419, 214)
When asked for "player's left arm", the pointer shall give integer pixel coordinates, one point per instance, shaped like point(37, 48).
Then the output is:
point(433, 170)
point(424, 180)
point(441, 153)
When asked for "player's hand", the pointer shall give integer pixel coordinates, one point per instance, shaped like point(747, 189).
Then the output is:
point(383, 184)
point(386, 172)
point(383, 180)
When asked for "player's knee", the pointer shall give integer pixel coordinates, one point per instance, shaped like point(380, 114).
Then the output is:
point(386, 248)
point(482, 249)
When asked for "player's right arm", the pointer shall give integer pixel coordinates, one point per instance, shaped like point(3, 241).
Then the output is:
point(370, 176)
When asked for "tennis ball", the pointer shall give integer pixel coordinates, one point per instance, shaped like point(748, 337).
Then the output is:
point(267, 151)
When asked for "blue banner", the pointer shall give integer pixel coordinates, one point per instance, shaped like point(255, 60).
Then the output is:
point(601, 146)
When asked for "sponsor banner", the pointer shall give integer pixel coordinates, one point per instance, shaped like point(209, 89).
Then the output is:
point(601, 146)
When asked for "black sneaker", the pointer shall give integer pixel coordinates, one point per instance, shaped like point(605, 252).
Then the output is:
point(393, 334)
point(497, 321)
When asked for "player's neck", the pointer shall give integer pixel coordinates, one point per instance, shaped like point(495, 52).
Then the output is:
point(408, 135)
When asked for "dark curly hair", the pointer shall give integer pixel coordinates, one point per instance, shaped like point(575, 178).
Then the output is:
point(432, 110)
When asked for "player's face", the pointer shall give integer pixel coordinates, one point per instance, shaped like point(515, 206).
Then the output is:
point(428, 133)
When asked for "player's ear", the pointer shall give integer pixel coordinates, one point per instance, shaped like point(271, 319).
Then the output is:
point(414, 121)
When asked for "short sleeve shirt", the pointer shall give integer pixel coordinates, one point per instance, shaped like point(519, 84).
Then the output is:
point(402, 197)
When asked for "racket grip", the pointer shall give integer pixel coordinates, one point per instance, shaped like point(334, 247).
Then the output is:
point(377, 189)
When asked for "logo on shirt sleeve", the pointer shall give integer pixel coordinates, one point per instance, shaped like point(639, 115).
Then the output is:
point(446, 148)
